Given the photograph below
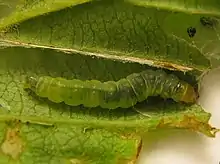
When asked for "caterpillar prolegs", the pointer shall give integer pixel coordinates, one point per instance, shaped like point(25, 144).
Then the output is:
point(123, 93)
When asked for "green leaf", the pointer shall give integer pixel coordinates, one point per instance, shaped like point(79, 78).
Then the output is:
point(24, 9)
point(127, 33)
point(188, 6)
point(187, 14)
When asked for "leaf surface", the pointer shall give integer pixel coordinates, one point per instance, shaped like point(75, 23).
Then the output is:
point(128, 33)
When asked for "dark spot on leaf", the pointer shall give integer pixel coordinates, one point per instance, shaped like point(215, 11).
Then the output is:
point(208, 22)
point(191, 31)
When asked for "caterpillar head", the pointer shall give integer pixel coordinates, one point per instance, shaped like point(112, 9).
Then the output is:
point(186, 93)
point(30, 83)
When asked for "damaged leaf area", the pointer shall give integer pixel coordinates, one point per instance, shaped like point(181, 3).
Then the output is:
point(12, 145)
point(103, 40)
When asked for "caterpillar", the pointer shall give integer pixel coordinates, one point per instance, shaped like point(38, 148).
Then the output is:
point(123, 93)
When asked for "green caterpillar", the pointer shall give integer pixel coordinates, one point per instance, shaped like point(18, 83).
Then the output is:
point(124, 93)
